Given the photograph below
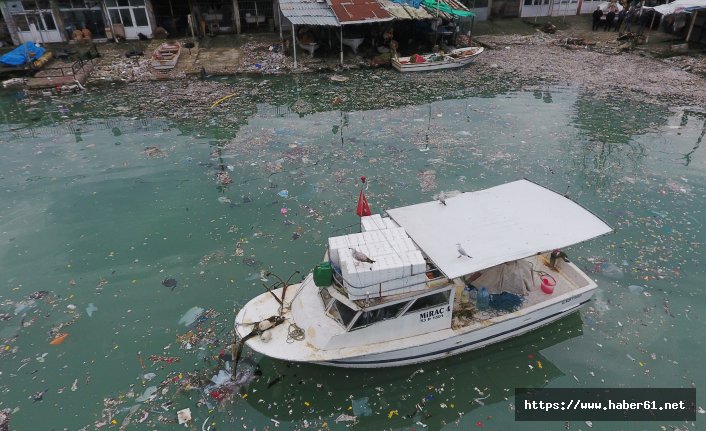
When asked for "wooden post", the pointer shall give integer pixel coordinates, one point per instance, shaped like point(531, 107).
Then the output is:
point(58, 20)
point(279, 23)
point(278, 18)
point(294, 44)
point(649, 30)
point(691, 27)
point(151, 19)
point(11, 25)
point(106, 14)
point(236, 17)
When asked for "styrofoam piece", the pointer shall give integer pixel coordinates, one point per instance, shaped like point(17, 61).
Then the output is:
point(372, 223)
point(389, 223)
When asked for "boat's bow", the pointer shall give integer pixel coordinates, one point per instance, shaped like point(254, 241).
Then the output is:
point(295, 334)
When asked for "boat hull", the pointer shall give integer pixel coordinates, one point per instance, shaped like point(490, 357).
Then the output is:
point(456, 345)
point(416, 349)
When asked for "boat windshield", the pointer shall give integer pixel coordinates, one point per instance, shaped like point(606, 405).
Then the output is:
point(342, 313)
point(325, 297)
point(379, 314)
point(440, 298)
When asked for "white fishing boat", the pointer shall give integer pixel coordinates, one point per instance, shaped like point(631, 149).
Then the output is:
point(458, 57)
point(399, 291)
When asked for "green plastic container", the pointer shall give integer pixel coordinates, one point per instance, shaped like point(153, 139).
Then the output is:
point(323, 274)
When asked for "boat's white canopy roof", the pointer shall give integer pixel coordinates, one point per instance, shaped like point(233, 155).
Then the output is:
point(497, 225)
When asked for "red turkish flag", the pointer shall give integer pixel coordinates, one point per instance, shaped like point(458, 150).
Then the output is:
point(363, 207)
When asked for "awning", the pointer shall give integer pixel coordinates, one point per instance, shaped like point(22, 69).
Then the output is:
point(497, 225)
point(308, 12)
point(678, 6)
point(404, 11)
point(449, 7)
point(359, 11)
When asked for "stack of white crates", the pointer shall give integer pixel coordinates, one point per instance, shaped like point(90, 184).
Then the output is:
point(375, 222)
point(399, 265)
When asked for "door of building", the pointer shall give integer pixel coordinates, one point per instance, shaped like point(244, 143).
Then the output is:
point(132, 14)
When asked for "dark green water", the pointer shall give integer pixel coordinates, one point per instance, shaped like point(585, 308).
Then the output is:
point(89, 216)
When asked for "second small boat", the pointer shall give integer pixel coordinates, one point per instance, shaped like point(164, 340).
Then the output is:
point(166, 56)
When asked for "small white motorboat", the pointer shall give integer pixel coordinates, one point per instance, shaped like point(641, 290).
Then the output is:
point(399, 292)
point(458, 57)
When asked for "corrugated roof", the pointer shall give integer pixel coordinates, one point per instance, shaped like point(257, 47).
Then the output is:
point(359, 11)
point(308, 12)
point(405, 11)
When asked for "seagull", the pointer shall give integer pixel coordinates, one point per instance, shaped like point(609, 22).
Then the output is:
point(442, 198)
point(361, 257)
point(462, 252)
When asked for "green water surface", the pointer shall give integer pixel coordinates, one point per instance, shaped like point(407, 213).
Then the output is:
point(91, 217)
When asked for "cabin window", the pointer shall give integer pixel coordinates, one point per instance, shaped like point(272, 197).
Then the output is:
point(343, 313)
point(325, 297)
point(378, 315)
point(441, 298)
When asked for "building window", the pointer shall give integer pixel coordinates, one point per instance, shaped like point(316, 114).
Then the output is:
point(140, 17)
point(35, 5)
point(130, 13)
point(42, 20)
point(21, 22)
point(49, 23)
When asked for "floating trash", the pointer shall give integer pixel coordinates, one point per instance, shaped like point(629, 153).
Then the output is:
point(361, 407)
point(283, 193)
point(91, 309)
point(635, 289)
point(190, 316)
point(149, 392)
point(184, 416)
point(60, 338)
point(169, 282)
point(611, 270)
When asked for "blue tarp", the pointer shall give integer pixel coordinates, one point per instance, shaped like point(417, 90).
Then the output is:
point(23, 54)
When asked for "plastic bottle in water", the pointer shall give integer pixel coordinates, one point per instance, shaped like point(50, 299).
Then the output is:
point(474, 294)
point(483, 300)
point(466, 295)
